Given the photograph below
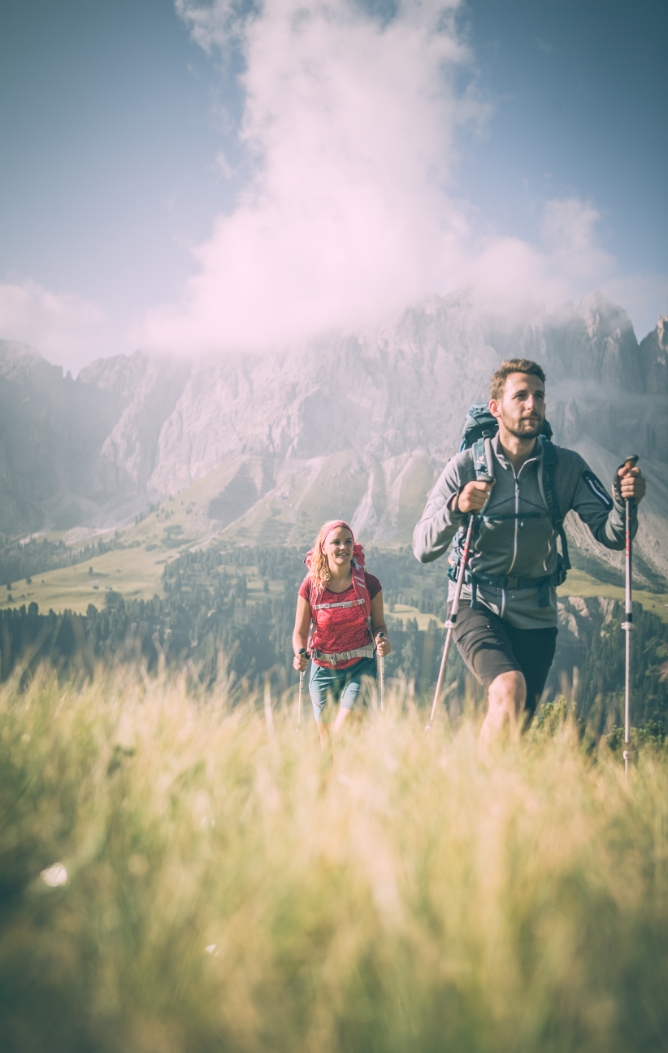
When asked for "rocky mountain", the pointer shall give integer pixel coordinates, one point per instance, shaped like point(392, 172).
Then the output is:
point(51, 433)
point(356, 425)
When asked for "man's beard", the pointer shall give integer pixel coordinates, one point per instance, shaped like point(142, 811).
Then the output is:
point(528, 433)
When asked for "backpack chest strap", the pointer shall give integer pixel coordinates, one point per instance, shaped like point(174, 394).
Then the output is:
point(330, 606)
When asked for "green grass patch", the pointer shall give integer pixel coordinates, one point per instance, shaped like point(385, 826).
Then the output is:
point(190, 874)
point(580, 583)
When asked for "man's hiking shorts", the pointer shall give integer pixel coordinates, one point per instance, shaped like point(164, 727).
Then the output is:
point(339, 685)
point(490, 646)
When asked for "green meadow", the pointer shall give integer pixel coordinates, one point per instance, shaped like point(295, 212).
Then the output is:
point(134, 566)
point(137, 574)
point(135, 571)
point(186, 873)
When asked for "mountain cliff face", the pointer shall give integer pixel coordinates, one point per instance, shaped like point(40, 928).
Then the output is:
point(51, 432)
point(654, 358)
point(391, 392)
point(357, 425)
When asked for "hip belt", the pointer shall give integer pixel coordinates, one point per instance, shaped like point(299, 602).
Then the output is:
point(342, 656)
point(509, 583)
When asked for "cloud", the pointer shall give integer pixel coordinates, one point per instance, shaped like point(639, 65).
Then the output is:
point(64, 328)
point(569, 230)
point(566, 262)
point(639, 294)
point(351, 120)
point(217, 24)
point(353, 113)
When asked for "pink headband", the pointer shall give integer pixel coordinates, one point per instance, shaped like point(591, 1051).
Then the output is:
point(332, 525)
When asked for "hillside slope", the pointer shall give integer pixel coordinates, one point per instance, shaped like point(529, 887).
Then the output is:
point(356, 425)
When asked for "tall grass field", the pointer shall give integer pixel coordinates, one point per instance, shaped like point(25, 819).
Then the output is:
point(184, 874)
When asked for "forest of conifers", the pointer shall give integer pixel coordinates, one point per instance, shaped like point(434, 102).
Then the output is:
point(209, 622)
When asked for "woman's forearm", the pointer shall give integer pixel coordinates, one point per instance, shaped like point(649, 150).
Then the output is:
point(299, 641)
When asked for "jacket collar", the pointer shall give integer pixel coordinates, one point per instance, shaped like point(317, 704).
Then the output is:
point(537, 454)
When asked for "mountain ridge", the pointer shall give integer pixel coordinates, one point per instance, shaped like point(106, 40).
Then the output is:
point(365, 419)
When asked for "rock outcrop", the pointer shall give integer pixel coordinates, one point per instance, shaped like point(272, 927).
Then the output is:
point(654, 360)
point(366, 419)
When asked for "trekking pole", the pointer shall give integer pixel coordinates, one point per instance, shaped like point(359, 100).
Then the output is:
point(381, 674)
point(451, 622)
point(302, 650)
point(452, 619)
point(627, 624)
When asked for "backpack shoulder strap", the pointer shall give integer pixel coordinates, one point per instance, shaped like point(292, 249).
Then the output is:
point(360, 585)
point(550, 487)
point(479, 458)
point(480, 468)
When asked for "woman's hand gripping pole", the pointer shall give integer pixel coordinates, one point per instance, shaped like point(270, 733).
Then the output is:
point(381, 672)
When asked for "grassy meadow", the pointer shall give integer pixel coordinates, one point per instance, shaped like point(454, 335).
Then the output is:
point(135, 571)
point(183, 523)
point(185, 874)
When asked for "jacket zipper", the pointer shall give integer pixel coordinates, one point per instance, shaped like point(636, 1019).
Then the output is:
point(517, 512)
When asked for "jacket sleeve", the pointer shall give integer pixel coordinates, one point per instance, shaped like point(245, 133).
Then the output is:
point(602, 512)
point(438, 525)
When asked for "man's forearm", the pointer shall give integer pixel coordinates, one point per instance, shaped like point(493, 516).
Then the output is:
point(436, 529)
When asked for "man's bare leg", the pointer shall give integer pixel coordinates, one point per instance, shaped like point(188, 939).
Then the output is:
point(506, 697)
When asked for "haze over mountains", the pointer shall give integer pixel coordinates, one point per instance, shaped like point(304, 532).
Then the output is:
point(356, 425)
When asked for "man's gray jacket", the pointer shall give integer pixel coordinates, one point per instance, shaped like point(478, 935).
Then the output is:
point(515, 537)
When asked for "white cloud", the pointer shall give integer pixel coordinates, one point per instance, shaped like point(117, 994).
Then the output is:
point(352, 123)
point(65, 328)
point(351, 120)
point(570, 234)
point(216, 24)
point(566, 263)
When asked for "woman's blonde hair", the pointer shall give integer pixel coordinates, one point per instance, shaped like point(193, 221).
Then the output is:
point(318, 566)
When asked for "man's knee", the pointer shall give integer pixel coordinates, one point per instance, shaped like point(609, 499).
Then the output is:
point(508, 692)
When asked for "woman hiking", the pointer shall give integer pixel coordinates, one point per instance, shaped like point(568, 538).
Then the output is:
point(345, 605)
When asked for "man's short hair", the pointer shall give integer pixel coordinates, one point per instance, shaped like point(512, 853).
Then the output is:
point(513, 365)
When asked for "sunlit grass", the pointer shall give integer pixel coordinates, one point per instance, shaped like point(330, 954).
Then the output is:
point(179, 874)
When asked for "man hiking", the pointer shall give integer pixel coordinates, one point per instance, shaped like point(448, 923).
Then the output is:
point(506, 628)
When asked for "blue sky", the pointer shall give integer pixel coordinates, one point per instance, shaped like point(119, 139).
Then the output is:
point(529, 134)
point(581, 92)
